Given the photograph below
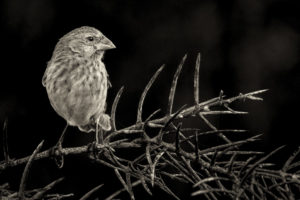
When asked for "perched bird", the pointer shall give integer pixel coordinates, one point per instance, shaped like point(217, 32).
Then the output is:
point(76, 79)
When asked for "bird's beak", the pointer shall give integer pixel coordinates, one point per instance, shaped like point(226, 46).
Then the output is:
point(105, 44)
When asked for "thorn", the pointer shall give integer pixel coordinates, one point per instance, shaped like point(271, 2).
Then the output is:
point(114, 108)
point(196, 147)
point(161, 132)
point(221, 95)
point(177, 142)
point(88, 194)
point(21, 194)
point(196, 79)
point(148, 86)
point(173, 86)
point(5, 142)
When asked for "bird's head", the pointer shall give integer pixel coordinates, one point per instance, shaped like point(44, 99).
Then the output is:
point(86, 41)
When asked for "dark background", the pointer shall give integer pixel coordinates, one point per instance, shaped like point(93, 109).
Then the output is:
point(245, 46)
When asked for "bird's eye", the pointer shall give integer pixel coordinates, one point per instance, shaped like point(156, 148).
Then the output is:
point(90, 38)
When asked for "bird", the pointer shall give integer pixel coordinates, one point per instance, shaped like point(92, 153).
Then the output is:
point(77, 81)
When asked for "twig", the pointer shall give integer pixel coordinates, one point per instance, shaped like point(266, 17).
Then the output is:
point(196, 79)
point(199, 192)
point(142, 179)
point(122, 190)
point(129, 185)
point(148, 86)
point(251, 139)
point(198, 133)
point(5, 142)
point(88, 194)
point(214, 128)
point(196, 147)
point(114, 108)
point(168, 190)
point(169, 121)
point(210, 179)
point(231, 162)
point(58, 196)
point(217, 101)
point(48, 187)
point(156, 159)
point(223, 112)
point(290, 160)
point(129, 190)
point(151, 115)
point(177, 142)
point(26, 171)
point(173, 86)
point(250, 170)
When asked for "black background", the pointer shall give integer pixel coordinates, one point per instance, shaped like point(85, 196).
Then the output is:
point(245, 46)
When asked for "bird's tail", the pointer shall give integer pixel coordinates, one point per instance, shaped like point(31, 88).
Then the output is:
point(103, 123)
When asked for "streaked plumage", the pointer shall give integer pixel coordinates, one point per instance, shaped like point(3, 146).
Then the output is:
point(76, 79)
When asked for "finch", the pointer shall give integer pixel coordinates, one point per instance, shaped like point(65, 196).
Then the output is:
point(76, 79)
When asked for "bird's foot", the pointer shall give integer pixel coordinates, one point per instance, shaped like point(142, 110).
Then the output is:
point(56, 153)
point(95, 150)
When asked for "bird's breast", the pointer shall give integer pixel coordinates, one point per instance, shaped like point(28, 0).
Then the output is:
point(73, 75)
point(77, 89)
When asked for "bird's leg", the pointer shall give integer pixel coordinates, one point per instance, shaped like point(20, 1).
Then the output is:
point(57, 149)
point(61, 139)
point(99, 134)
point(98, 140)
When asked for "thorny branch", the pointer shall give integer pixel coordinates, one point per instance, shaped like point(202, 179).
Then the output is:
point(219, 170)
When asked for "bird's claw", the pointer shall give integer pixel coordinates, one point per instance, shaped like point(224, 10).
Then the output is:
point(94, 149)
point(56, 153)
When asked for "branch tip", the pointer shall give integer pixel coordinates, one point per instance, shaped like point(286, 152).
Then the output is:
point(196, 79)
point(173, 86)
point(5, 142)
point(148, 86)
point(114, 108)
point(26, 171)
